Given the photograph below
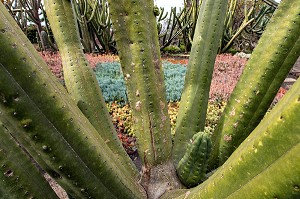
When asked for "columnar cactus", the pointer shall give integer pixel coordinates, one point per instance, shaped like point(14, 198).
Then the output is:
point(260, 81)
point(15, 177)
point(137, 41)
point(193, 105)
point(69, 148)
point(256, 169)
point(141, 64)
point(80, 80)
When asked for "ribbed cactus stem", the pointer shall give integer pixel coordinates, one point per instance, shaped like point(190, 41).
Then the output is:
point(266, 164)
point(141, 65)
point(137, 42)
point(193, 104)
point(61, 138)
point(191, 169)
point(80, 80)
point(262, 77)
point(15, 179)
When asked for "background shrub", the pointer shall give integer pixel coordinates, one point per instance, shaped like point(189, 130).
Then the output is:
point(111, 81)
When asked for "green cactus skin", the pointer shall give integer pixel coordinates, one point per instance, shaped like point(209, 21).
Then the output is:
point(265, 71)
point(47, 150)
point(21, 179)
point(141, 65)
point(137, 42)
point(266, 164)
point(192, 167)
point(80, 80)
point(193, 105)
point(56, 132)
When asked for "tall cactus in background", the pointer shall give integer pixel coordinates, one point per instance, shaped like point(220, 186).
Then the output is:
point(38, 113)
point(177, 24)
point(190, 16)
point(81, 8)
point(255, 20)
point(94, 21)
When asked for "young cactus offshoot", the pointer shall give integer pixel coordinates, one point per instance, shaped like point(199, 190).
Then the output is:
point(191, 169)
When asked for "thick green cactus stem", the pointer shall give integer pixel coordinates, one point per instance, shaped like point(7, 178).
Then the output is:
point(141, 64)
point(266, 164)
point(15, 180)
point(265, 71)
point(191, 169)
point(53, 124)
point(32, 129)
point(193, 105)
point(80, 80)
point(137, 42)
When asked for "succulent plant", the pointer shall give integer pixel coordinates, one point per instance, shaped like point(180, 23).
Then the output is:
point(191, 169)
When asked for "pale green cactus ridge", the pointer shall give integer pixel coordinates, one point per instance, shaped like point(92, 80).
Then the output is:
point(193, 106)
point(15, 178)
point(29, 128)
point(265, 71)
point(192, 167)
point(141, 65)
point(268, 160)
point(78, 137)
point(80, 80)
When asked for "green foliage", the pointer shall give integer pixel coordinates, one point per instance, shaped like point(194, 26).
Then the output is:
point(172, 49)
point(111, 81)
point(214, 112)
point(174, 80)
point(193, 107)
point(121, 117)
point(32, 34)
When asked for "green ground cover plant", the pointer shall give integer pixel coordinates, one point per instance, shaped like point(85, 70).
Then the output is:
point(112, 81)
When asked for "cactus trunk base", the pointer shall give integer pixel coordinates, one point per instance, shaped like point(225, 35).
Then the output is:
point(160, 179)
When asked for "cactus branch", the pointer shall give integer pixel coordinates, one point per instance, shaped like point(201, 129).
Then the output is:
point(260, 80)
point(80, 79)
point(53, 120)
point(257, 168)
point(193, 106)
point(15, 164)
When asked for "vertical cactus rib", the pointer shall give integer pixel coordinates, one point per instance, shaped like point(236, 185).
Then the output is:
point(267, 163)
point(137, 42)
point(80, 80)
point(32, 129)
point(141, 64)
point(61, 137)
point(265, 71)
point(19, 177)
point(193, 105)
